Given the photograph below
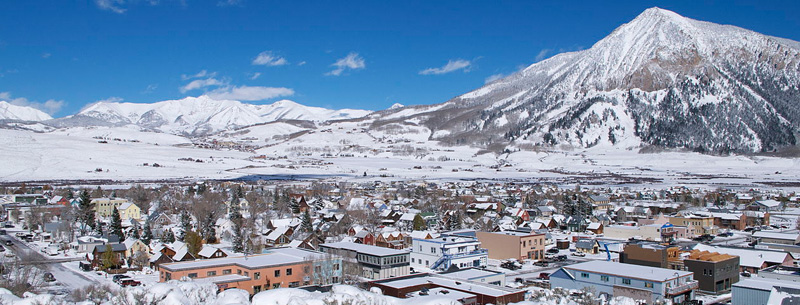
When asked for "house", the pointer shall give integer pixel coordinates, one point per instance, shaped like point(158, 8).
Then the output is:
point(392, 240)
point(450, 251)
point(104, 206)
point(279, 236)
point(129, 211)
point(648, 284)
point(134, 245)
point(766, 206)
point(511, 244)
point(119, 255)
point(595, 227)
point(278, 268)
point(209, 252)
point(364, 237)
point(588, 246)
point(374, 262)
point(599, 199)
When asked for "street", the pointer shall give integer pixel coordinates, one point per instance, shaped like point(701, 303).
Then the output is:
point(65, 277)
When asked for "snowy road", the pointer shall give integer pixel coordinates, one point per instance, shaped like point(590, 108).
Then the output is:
point(67, 277)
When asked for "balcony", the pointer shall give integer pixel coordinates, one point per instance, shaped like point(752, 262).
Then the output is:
point(682, 288)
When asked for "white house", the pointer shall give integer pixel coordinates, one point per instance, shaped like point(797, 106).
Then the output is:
point(444, 252)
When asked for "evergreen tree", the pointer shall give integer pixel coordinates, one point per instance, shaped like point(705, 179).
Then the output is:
point(236, 218)
point(147, 234)
point(70, 195)
point(306, 224)
point(86, 212)
point(201, 188)
point(134, 233)
point(116, 224)
point(295, 206)
point(454, 222)
point(186, 224)
point(209, 230)
point(168, 237)
point(419, 223)
point(98, 228)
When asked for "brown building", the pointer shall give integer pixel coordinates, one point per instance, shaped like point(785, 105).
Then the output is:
point(510, 244)
point(279, 268)
point(715, 272)
point(401, 287)
point(652, 255)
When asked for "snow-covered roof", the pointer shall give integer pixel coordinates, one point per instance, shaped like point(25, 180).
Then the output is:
point(776, 235)
point(364, 249)
point(629, 270)
point(593, 226)
point(484, 289)
point(769, 203)
point(207, 251)
point(408, 216)
point(277, 256)
point(747, 257)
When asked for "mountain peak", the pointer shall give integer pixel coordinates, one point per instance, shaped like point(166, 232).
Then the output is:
point(659, 13)
point(10, 111)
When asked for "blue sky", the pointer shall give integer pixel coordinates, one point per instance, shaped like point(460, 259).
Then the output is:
point(62, 55)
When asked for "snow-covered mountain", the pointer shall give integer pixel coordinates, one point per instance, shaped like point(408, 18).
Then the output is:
point(661, 80)
point(9, 111)
point(199, 115)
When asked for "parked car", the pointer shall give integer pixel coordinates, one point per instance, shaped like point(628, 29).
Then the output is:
point(85, 266)
point(9, 243)
point(579, 254)
point(511, 264)
point(544, 276)
point(48, 277)
point(541, 263)
point(553, 250)
point(725, 234)
point(561, 258)
point(129, 282)
point(2, 249)
point(119, 277)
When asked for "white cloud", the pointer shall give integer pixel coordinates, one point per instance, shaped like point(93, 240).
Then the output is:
point(113, 99)
point(50, 106)
point(46, 55)
point(542, 54)
point(302, 63)
point(451, 66)
point(494, 77)
point(352, 61)
point(111, 5)
point(201, 74)
point(266, 58)
point(200, 83)
point(255, 75)
point(150, 88)
point(229, 2)
point(249, 93)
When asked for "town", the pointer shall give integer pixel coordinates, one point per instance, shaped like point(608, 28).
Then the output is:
point(471, 242)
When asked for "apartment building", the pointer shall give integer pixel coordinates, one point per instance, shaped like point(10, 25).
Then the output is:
point(276, 268)
point(374, 262)
point(702, 223)
point(637, 282)
point(449, 251)
point(511, 244)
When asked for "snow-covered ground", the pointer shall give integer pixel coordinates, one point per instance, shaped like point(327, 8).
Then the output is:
point(346, 150)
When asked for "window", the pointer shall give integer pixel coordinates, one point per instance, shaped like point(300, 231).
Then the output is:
point(289, 271)
point(648, 285)
point(626, 281)
point(604, 278)
point(246, 273)
point(276, 285)
point(294, 284)
point(167, 276)
point(192, 275)
point(256, 275)
point(226, 271)
point(256, 289)
point(306, 269)
point(584, 275)
point(336, 267)
point(317, 269)
point(277, 273)
point(238, 271)
point(211, 273)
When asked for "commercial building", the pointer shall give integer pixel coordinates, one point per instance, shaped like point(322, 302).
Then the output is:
point(511, 244)
point(446, 252)
point(478, 276)
point(774, 285)
point(468, 292)
point(374, 262)
point(702, 223)
point(277, 268)
point(649, 284)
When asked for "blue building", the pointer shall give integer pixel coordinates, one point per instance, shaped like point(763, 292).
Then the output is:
point(617, 279)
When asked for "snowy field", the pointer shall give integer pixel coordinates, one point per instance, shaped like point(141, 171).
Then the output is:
point(347, 151)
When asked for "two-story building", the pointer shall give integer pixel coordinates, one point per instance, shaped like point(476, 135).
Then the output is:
point(649, 284)
point(511, 244)
point(277, 268)
point(442, 253)
point(702, 223)
point(375, 262)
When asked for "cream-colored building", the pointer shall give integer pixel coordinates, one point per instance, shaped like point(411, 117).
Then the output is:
point(510, 244)
point(127, 210)
point(702, 224)
point(648, 232)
